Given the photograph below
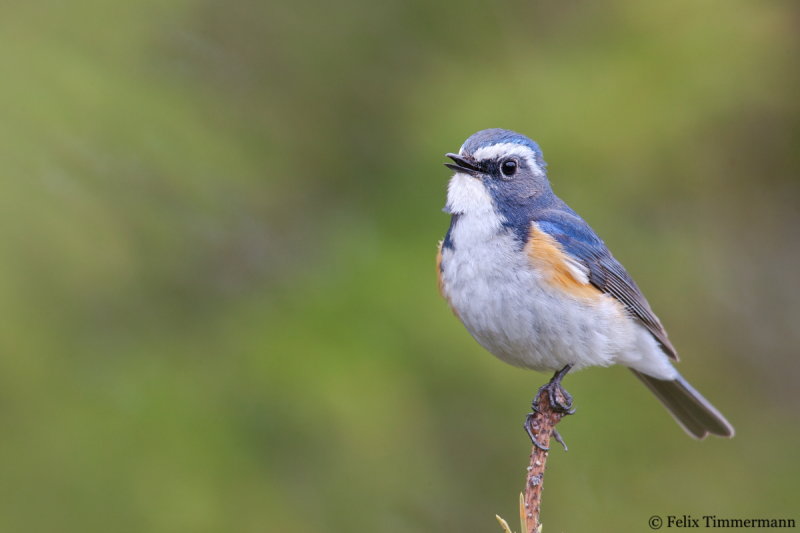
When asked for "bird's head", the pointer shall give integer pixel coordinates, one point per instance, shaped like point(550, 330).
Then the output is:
point(495, 170)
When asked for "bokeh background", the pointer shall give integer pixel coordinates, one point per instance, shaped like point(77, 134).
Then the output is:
point(217, 233)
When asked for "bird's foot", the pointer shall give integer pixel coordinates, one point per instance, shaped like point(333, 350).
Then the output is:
point(560, 399)
point(560, 402)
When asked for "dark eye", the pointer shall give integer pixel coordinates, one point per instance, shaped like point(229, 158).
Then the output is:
point(508, 167)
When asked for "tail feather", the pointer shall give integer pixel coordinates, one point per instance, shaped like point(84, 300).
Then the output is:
point(692, 411)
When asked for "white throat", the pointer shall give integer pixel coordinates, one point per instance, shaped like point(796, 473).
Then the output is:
point(468, 197)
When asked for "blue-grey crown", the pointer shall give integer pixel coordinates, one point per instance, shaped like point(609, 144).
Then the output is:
point(494, 136)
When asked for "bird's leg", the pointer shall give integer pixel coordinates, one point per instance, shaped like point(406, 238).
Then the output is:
point(555, 394)
point(554, 389)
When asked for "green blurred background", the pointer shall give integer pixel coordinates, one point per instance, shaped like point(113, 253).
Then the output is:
point(217, 293)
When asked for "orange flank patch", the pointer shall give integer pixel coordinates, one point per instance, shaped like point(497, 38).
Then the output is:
point(439, 270)
point(549, 258)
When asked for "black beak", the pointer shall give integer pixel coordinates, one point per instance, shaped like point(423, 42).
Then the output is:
point(467, 166)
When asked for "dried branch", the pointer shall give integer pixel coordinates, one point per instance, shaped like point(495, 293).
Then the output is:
point(542, 425)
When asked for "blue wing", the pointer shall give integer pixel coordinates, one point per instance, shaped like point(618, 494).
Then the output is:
point(605, 272)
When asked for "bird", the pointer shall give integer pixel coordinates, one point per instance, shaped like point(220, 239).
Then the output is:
point(533, 283)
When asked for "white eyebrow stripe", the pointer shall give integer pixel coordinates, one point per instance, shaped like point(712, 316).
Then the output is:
point(496, 150)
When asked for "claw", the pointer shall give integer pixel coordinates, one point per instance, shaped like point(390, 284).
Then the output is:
point(529, 430)
point(560, 439)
